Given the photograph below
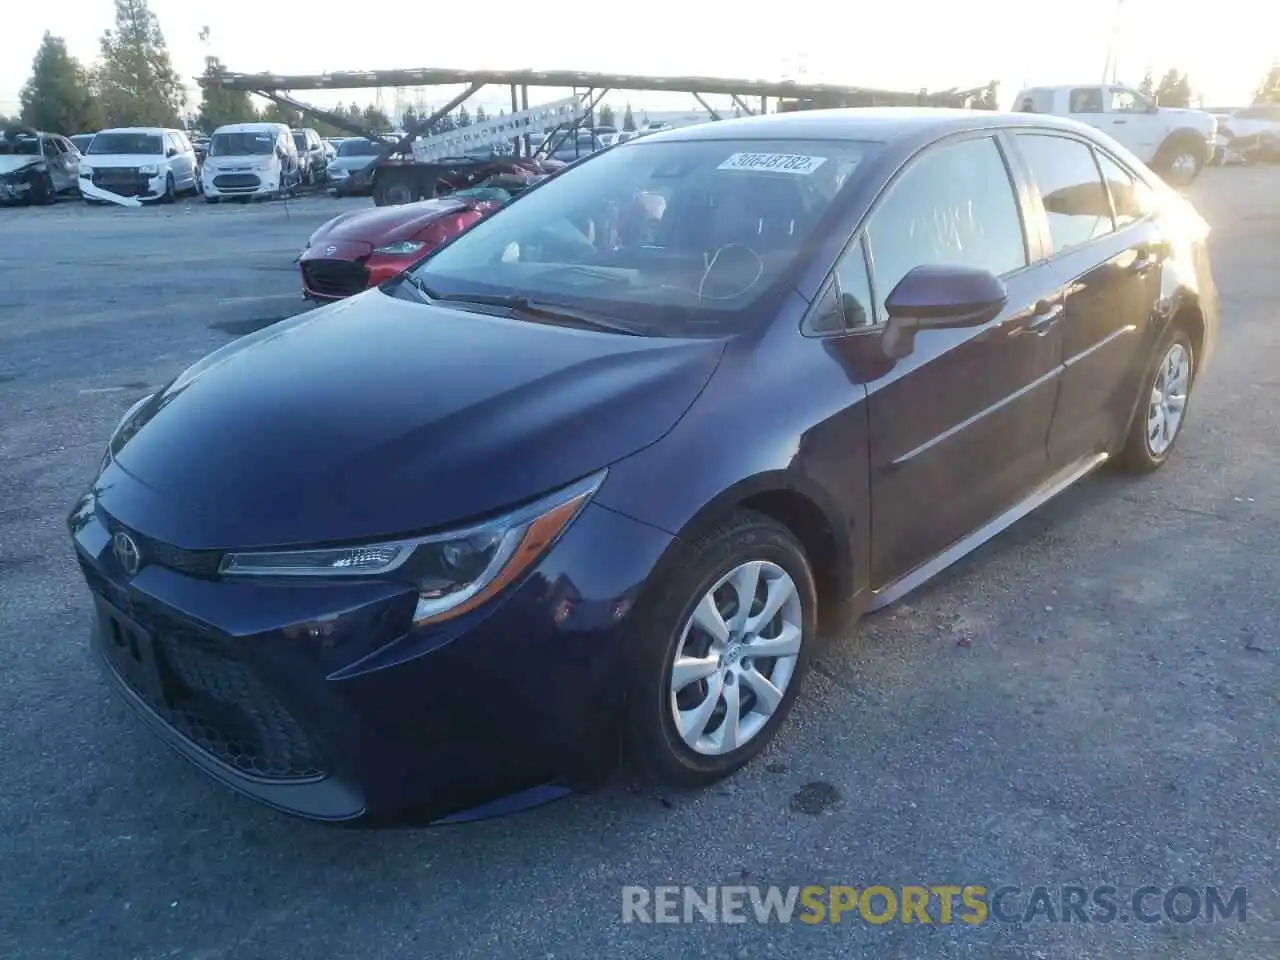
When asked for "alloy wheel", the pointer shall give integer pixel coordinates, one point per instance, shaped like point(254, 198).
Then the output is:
point(736, 657)
point(1184, 167)
point(1168, 401)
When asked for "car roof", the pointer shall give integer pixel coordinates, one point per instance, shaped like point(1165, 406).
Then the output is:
point(877, 124)
point(153, 130)
point(252, 126)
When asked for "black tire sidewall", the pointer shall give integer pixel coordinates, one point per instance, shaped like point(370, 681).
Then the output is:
point(657, 751)
point(1137, 453)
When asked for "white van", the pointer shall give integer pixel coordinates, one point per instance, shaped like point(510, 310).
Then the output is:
point(150, 163)
point(250, 160)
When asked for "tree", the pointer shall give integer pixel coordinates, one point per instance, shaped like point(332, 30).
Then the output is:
point(408, 118)
point(628, 121)
point(606, 118)
point(1148, 85)
point(1269, 91)
point(375, 119)
point(481, 116)
point(464, 118)
point(1174, 90)
point(279, 113)
point(217, 104)
point(136, 80)
point(57, 97)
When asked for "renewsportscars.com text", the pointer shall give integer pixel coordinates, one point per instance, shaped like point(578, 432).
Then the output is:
point(941, 904)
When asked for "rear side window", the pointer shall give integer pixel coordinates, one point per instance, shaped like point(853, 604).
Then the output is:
point(1075, 200)
point(1132, 199)
point(954, 206)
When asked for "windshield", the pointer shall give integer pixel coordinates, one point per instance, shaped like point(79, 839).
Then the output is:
point(300, 141)
point(145, 143)
point(357, 148)
point(22, 146)
point(679, 238)
point(259, 143)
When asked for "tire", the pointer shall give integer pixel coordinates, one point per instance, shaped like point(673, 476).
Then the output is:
point(1180, 162)
point(657, 750)
point(170, 190)
point(1142, 454)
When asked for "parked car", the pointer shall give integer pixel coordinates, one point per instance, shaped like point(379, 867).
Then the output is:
point(313, 160)
point(1250, 134)
point(1175, 142)
point(36, 167)
point(592, 475)
point(363, 248)
point(573, 147)
point(150, 163)
point(348, 172)
point(248, 160)
point(81, 141)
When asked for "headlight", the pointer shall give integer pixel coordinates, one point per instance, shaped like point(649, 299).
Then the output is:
point(403, 247)
point(454, 572)
point(149, 170)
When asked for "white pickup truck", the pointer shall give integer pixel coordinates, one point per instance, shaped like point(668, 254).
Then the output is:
point(1176, 143)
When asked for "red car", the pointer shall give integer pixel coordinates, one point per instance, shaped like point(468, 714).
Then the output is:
point(358, 250)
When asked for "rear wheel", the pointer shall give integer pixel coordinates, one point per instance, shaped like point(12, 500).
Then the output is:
point(722, 654)
point(1162, 408)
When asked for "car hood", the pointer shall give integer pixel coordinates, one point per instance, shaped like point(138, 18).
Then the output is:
point(104, 160)
point(10, 162)
point(1194, 118)
point(389, 224)
point(350, 164)
point(379, 416)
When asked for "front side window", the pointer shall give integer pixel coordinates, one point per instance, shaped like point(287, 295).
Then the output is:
point(148, 144)
point(678, 238)
point(1127, 101)
point(954, 206)
point(1075, 200)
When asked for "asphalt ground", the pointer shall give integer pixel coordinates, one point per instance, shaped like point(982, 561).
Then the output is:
point(1092, 698)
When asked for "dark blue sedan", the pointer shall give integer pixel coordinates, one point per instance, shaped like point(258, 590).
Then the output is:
point(590, 480)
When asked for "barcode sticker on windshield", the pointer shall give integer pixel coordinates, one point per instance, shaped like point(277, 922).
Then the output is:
point(774, 163)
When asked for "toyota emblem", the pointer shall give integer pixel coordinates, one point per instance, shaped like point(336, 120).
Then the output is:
point(330, 251)
point(126, 552)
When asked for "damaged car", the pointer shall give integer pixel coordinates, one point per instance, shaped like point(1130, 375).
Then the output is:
point(363, 248)
point(149, 163)
point(36, 167)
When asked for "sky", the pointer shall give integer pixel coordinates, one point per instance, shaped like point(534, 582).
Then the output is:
point(894, 45)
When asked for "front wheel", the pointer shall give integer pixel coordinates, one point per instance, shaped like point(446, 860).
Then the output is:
point(722, 653)
point(1182, 166)
point(1162, 408)
point(45, 192)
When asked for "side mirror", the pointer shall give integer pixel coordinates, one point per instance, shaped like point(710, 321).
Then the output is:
point(937, 298)
point(171, 152)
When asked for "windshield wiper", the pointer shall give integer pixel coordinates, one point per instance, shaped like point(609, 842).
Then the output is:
point(528, 307)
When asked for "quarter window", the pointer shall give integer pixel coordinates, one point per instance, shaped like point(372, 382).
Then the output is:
point(845, 304)
point(1131, 198)
point(954, 206)
point(1075, 200)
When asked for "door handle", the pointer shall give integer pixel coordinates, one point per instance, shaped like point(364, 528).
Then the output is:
point(1045, 315)
point(1118, 122)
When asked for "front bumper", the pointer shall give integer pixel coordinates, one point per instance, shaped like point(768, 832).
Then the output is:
point(321, 701)
point(243, 183)
point(128, 183)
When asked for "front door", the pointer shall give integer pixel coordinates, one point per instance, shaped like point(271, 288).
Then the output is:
point(1132, 122)
point(1105, 257)
point(959, 428)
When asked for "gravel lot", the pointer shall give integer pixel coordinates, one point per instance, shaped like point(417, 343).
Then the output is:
point(1093, 698)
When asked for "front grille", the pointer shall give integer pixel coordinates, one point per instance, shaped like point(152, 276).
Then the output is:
point(194, 563)
point(236, 181)
point(126, 181)
point(192, 678)
point(335, 278)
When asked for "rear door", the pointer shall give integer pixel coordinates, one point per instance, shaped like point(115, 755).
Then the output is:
point(1111, 279)
point(958, 428)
